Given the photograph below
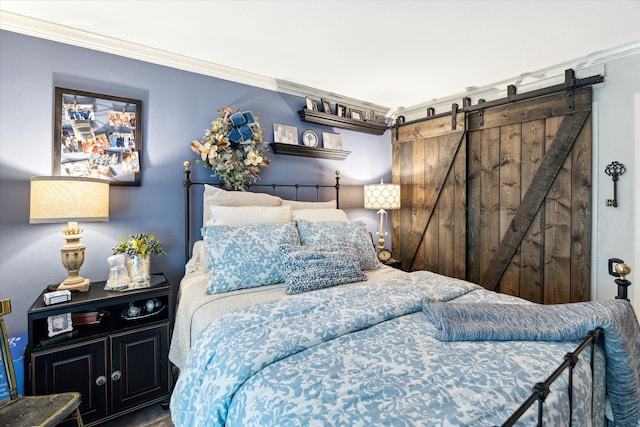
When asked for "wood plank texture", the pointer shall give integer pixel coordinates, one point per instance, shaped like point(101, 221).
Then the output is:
point(557, 227)
point(581, 184)
point(549, 169)
point(531, 247)
point(510, 147)
point(473, 204)
point(427, 129)
point(532, 109)
point(460, 212)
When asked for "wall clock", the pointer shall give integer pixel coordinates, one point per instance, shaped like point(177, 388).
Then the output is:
point(310, 138)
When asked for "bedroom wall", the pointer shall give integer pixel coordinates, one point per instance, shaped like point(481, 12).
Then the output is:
point(178, 106)
point(616, 118)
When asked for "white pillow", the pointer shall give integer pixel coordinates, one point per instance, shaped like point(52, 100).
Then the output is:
point(315, 215)
point(214, 196)
point(244, 215)
point(309, 205)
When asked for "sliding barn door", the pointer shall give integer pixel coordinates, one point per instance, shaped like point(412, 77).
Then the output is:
point(504, 202)
point(429, 163)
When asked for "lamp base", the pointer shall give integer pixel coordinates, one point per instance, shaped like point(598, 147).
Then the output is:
point(80, 286)
point(72, 258)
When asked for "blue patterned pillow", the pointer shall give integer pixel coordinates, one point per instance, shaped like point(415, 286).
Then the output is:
point(337, 232)
point(307, 268)
point(245, 256)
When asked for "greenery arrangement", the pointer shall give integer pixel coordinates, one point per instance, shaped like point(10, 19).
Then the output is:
point(138, 244)
point(233, 148)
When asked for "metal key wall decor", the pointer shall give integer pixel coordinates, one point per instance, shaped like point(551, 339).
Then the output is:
point(614, 170)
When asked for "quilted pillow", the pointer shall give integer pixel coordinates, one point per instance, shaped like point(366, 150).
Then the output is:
point(307, 268)
point(243, 215)
point(338, 232)
point(245, 257)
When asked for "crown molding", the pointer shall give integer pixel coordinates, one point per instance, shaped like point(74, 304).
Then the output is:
point(46, 30)
point(593, 64)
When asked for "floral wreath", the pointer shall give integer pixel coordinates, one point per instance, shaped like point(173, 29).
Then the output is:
point(233, 147)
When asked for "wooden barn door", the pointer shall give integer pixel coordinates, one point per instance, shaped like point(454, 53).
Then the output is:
point(504, 202)
point(429, 163)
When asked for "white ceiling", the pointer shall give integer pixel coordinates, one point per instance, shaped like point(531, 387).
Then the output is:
point(388, 53)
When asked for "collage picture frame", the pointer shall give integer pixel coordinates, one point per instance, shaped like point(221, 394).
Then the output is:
point(97, 136)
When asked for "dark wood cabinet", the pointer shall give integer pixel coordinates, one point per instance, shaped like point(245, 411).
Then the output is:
point(119, 363)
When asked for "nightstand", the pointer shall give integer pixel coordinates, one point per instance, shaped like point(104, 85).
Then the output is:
point(115, 357)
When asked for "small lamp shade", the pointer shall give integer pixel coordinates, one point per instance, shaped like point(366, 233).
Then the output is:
point(382, 196)
point(56, 199)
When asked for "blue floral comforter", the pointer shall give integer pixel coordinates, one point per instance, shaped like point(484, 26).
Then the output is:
point(367, 356)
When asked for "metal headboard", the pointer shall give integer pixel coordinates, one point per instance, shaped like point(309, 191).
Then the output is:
point(188, 183)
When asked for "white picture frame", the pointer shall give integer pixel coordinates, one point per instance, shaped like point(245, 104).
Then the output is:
point(59, 324)
point(332, 141)
point(285, 134)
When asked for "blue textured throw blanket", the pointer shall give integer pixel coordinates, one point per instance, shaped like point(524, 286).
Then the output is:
point(562, 322)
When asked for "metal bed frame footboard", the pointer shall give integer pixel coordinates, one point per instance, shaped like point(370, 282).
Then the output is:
point(187, 183)
point(542, 389)
point(617, 268)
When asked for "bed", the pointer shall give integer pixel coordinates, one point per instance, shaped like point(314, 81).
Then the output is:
point(285, 322)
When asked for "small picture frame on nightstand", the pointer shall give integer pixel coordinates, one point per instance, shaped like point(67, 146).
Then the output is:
point(59, 324)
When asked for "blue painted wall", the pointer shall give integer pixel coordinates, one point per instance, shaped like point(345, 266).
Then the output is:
point(178, 106)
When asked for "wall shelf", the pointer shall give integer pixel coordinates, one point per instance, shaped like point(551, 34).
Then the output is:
point(304, 151)
point(327, 119)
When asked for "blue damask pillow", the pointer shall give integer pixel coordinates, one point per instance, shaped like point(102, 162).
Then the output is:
point(245, 256)
point(307, 268)
point(335, 233)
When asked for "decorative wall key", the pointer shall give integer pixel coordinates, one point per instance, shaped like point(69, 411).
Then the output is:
point(614, 170)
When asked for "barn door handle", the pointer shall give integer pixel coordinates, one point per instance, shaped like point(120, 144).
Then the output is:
point(614, 170)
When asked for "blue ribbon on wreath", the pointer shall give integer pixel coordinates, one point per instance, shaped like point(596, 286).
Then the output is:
point(241, 130)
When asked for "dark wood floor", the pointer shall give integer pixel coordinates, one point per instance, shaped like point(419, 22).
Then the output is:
point(152, 415)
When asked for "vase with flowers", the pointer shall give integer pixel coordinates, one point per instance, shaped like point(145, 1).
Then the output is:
point(233, 148)
point(137, 249)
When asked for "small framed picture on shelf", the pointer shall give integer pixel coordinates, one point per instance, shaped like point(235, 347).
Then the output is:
point(285, 134)
point(368, 115)
point(379, 119)
point(356, 115)
point(326, 107)
point(341, 110)
point(311, 104)
point(332, 141)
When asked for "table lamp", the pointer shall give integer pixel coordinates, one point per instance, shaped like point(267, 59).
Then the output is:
point(381, 196)
point(59, 199)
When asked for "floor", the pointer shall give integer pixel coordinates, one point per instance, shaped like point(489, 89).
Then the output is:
point(152, 415)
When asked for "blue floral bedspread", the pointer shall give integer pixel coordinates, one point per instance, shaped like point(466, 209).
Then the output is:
point(367, 356)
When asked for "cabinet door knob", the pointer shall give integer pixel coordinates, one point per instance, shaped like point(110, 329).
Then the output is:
point(115, 375)
point(101, 380)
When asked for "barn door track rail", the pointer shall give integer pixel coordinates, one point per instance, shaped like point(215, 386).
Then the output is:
point(571, 83)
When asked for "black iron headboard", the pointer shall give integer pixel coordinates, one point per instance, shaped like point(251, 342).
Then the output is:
point(188, 183)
